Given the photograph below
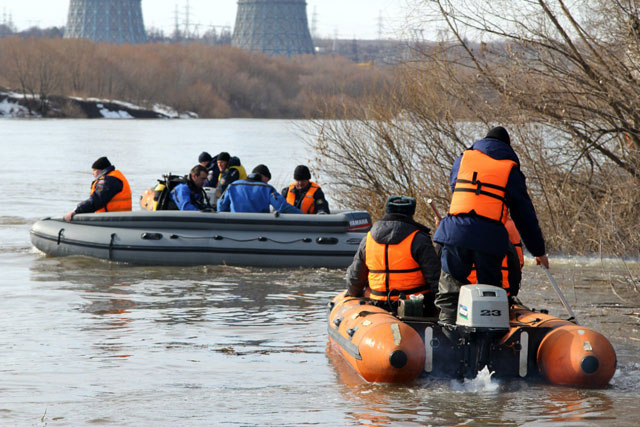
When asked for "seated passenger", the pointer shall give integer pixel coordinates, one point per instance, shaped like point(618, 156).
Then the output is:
point(254, 195)
point(190, 196)
point(211, 163)
point(230, 170)
point(110, 191)
point(304, 194)
point(396, 257)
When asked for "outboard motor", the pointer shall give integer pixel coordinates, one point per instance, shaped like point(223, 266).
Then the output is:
point(483, 318)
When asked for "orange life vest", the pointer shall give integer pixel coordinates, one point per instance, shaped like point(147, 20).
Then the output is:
point(392, 269)
point(121, 202)
point(514, 237)
point(480, 186)
point(308, 204)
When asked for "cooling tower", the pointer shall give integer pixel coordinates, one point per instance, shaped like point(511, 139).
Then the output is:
point(275, 27)
point(111, 21)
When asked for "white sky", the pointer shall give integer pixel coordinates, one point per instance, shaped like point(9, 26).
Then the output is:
point(346, 18)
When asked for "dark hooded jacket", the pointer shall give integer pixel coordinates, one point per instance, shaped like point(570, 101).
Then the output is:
point(213, 173)
point(482, 235)
point(393, 229)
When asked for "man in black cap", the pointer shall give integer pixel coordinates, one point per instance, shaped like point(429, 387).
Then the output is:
point(230, 170)
point(254, 195)
point(487, 186)
point(305, 194)
point(396, 258)
point(110, 191)
point(211, 164)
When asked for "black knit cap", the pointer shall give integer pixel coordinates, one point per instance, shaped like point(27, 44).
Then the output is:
point(101, 163)
point(500, 134)
point(204, 157)
point(400, 205)
point(301, 173)
point(262, 170)
point(224, 156)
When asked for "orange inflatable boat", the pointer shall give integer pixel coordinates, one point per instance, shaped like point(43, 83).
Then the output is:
point(510, 341)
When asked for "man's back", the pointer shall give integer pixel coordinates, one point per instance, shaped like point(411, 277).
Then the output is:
point(253, 195)
point(246, 196)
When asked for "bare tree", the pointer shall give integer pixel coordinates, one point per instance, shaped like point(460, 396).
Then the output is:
point(564, 80)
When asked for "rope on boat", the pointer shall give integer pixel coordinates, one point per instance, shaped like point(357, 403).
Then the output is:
point(255, 239)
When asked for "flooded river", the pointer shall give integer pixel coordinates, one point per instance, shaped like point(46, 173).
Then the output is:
point(87, 342)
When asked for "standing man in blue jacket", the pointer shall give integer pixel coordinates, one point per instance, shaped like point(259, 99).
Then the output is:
point(487, 186)
point(254, 195)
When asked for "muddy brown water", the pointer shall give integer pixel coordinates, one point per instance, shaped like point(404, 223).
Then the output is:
point(88, 342)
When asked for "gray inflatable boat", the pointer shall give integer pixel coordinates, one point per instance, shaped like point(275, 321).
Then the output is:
point(207, 238)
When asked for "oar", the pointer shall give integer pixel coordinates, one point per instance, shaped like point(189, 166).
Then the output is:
point(435, 210)
point(560, 295)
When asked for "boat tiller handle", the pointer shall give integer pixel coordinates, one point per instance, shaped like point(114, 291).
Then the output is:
point(563, 300)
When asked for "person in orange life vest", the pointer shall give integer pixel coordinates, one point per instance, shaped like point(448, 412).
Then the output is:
point(304, 194)
point(110, 191)
point(396, 257)
point(512, 263)
point(487, 185)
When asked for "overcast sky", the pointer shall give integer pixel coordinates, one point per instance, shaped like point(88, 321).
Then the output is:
point(347, 18)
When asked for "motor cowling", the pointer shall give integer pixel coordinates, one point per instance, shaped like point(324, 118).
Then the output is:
point(483, 306)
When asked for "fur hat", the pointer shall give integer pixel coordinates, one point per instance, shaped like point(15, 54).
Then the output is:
point(400, 205)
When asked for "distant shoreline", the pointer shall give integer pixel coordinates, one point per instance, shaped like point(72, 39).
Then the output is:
point(18, 105)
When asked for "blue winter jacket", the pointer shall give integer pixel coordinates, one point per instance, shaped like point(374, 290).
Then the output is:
point(483, 235)
point(188, 200)
point(253, 195)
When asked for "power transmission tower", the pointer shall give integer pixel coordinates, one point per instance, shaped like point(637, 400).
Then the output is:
point(187, 20)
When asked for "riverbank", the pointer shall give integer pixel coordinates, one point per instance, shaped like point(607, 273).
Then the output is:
point(211, 81)
point(19, 105)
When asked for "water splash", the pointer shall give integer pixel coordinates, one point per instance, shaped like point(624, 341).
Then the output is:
point(482, 382)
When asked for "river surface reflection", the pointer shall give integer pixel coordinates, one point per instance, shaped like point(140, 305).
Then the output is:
point(91, 342)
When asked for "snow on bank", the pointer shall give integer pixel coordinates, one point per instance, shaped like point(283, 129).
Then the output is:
point(172, 113)
point(113, 109)
point(11, 105)
point(8, 108)
point(109, 114)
